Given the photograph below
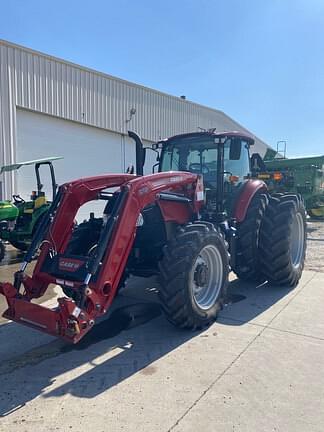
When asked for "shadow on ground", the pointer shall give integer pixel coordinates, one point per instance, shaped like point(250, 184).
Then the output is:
point(250, 300)
point(134, 336)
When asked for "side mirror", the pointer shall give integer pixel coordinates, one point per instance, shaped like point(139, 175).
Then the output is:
point(235, 149)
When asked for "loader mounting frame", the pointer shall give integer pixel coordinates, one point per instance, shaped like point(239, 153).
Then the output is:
point(179, 197)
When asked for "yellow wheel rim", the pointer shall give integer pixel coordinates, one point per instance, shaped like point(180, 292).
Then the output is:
point(318, 212)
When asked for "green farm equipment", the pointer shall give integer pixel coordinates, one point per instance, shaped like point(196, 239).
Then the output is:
point(304, 176)
point(19, 219)
point(8, 215)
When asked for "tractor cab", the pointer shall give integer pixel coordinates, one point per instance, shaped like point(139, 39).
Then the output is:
point(25, 215)
point(221, 158)
point(198, 153)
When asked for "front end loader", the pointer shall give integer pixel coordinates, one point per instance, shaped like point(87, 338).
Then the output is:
point(92, 279)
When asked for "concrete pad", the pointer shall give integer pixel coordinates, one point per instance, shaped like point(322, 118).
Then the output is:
point(16, 339)
point(276, 385)
point(305, 314)
point(142, 379)
point(156, 377)
point(7, 275)
point(262, 303)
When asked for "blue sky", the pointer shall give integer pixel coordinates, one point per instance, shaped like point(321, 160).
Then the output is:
point(260, 61)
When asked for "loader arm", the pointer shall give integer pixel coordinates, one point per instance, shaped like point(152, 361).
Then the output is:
point(95, 278)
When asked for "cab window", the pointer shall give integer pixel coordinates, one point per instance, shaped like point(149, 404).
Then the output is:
point(240, 167)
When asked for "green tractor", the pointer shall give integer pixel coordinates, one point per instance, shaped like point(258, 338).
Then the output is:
point(8, 215)
point(303, 176)
point(19, 219)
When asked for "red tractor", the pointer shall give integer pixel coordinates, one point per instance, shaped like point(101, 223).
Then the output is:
point(190, 223)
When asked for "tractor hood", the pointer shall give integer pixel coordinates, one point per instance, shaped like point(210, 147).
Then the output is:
point(8, 211)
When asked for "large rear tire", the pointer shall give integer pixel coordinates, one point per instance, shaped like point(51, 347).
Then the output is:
point(248, 262)
point(283, 240)
point(194, 276)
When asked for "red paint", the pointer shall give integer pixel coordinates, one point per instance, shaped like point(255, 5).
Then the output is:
point(250, 188)
point(66, 321)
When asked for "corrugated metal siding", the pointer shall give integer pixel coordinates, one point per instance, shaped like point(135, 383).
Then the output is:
point(7, 114)
point(41, 83)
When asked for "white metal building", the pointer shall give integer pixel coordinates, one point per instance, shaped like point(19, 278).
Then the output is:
point(51, 107)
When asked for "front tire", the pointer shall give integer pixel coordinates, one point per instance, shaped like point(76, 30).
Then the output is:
point(194, 276)
point(283, 240)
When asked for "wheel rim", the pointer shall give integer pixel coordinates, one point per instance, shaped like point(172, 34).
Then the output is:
point(206, 277)
point(297, 240)
point(317, 212)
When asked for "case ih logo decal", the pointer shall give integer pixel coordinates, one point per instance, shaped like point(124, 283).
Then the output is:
point(69, 264)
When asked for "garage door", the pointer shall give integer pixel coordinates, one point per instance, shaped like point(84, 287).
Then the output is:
point(87, 151)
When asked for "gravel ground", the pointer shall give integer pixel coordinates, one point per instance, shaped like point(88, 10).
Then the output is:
point(315, 246)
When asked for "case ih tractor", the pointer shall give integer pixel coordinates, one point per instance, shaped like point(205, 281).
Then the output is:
point(190, 223)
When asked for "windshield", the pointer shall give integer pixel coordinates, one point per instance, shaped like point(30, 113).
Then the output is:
point(199, 156)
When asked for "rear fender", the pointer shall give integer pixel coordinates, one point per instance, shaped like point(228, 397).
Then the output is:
point(245, 195)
